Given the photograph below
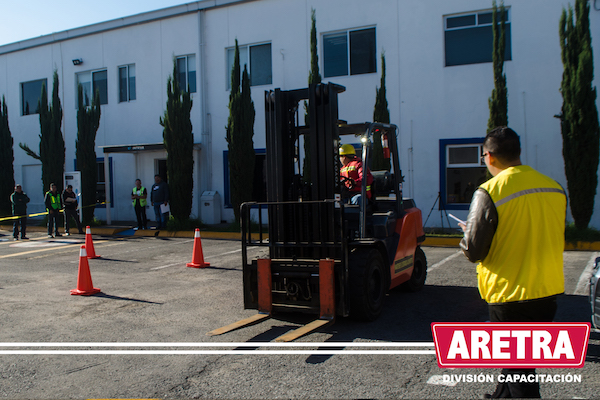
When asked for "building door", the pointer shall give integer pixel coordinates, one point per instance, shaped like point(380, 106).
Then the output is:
point(160, 168)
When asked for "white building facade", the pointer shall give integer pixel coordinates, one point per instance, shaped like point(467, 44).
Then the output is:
point(439, 79)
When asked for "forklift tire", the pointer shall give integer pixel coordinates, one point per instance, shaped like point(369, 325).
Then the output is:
point(367, 284)
point(417, 279)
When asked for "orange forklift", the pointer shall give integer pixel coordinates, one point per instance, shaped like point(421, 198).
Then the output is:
point(326, 257)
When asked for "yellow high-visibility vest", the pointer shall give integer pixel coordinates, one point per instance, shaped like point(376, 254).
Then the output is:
point(525, 260)
point(55, 200)
point(140, 192)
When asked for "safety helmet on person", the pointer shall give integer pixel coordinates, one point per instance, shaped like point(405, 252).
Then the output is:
point(347, 150)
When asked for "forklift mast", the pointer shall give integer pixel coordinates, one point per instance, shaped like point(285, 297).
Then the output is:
point(313, 223)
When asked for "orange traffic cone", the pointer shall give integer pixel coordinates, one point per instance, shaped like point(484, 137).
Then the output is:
point(197, 257)
point(85, 286)
point(89, 244)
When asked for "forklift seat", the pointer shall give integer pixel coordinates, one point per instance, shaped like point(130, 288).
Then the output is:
point(382, 183)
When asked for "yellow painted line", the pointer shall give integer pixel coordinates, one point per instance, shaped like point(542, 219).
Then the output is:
point(583, 246)
point(48, 249)
point(441, 241)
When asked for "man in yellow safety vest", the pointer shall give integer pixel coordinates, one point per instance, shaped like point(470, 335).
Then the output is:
point(53, 206)
point(515, 230)
point(139, 196)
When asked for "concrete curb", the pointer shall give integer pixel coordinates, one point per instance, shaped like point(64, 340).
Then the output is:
point(190, 234)
point(96, 230)
point(441, 241)
point(454, 242)
point(430, 241)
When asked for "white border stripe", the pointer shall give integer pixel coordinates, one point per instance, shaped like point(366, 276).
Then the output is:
point(219, 344)
point(26, 348)
point(209, 352)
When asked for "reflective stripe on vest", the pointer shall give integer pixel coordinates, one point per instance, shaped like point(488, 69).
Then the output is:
point(525, 260)
point(140, 192)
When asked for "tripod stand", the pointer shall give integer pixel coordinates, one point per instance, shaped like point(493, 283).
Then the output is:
point(442, 209)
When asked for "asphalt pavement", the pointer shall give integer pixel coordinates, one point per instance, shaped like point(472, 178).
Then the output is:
point(144, 335)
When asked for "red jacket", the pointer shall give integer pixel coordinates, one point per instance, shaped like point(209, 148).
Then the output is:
point(354, 171)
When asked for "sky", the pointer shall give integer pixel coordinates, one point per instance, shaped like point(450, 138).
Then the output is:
point(27, 19)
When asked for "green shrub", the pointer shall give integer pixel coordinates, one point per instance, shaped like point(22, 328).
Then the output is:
point(572, 234)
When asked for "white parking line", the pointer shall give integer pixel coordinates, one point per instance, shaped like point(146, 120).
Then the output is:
point(444, 261)
point(584, 279)
point(439, 380)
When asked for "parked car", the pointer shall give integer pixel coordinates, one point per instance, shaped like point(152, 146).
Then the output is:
point(595, 294)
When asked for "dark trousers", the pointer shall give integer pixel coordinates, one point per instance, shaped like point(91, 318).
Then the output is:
point(53, 221)
point(538, 310)
point(75, 215)
point(140, 213)
point(20, 221)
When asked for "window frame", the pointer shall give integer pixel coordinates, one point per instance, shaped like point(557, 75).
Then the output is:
point(186, 57)
point(445, 145)
point(37, 111)
point(247, 48)
point(349, 53)
point(128, 84)
point(92, 88)
point(476, 14)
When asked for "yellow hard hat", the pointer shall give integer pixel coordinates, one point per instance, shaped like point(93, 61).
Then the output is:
point(347, 149)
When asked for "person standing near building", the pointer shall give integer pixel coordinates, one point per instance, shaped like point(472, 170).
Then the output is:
point(53, 204)
point(139, 196)
point(160, 196)
point(515, 230)
point(70, 200)
point(19, 200)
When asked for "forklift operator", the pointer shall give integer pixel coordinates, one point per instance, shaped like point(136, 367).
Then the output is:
point(352, 174)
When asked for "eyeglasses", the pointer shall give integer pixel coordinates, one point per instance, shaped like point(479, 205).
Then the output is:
point(483, 156)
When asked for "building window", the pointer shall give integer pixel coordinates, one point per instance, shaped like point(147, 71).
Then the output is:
point(354, 51)
point(468, 38)
point(259, 191)
point(127, 83)
point(257, 59)
point(186, 73)
point(462, 171)
point(30, 96)
point(91, 82)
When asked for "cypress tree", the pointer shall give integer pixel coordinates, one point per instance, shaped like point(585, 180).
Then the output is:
point(179, 143)
point(88, 121)
point(240, 131)
point(52, 144)
point(579, 117)
point(313, 77)
point(380, 114)
point(498, 102)
point(7, 177)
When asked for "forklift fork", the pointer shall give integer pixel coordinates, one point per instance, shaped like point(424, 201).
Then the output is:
point(265, 302)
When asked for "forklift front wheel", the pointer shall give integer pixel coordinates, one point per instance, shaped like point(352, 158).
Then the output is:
point(419, 274)
point(367, 284)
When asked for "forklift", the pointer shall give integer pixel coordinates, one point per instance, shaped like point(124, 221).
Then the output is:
point(326, 257)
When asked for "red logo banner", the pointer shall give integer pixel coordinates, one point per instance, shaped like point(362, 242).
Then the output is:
point(511, 345)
